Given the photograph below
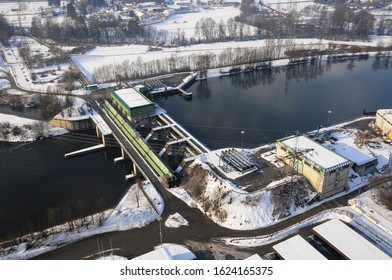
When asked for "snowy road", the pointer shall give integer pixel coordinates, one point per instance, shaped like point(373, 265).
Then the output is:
point(200, 230)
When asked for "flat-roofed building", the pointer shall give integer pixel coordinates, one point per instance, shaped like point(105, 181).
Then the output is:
point(384, 121)
point(326, 170)
point(347, 242)
point(297, 248)
point(168, 252)
point(363, 163)
point(132, 103)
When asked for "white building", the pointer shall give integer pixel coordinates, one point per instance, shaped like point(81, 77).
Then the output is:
point(384, 121)
point(168, 252)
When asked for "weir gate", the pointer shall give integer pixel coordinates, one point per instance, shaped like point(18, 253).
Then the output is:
point(158, 147)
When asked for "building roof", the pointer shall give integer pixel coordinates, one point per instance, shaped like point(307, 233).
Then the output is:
point(297, 248)
point(168, 252)
point(386, 113)
point(351, 153)
point(131, 98)
point(254, 257)
point(315, 152)
point(348, 242)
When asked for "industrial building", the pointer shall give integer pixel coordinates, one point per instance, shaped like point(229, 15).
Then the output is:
point(384, 121)
point(363, 164)
point(326, 170)
point(132, 104)
point(347, 242)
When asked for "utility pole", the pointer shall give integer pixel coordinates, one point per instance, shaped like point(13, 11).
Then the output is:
point(329, 117)
point(160, 230)
point(242, 138)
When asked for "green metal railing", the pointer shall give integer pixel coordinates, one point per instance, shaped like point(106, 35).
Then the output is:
point(146, 152)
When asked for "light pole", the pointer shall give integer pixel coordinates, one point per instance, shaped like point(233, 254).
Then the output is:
point(329, 116)
point(242, 138)
point(160, 229)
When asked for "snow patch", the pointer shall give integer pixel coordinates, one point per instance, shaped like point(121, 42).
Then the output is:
point(175, 221)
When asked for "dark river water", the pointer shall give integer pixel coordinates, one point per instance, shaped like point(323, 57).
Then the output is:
point(273, 103)
point(38, 187)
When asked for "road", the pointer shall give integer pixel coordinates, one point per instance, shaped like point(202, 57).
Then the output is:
point(200, 233)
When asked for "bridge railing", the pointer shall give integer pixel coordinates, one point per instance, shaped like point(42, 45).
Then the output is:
point(153, 160)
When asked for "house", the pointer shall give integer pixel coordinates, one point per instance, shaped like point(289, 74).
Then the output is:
point(326, 170)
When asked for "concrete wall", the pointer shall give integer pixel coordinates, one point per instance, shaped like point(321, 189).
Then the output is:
point(335, 182)
point(72, 125)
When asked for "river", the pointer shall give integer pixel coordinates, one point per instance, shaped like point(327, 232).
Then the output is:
point(39, 187)
point(273, 103)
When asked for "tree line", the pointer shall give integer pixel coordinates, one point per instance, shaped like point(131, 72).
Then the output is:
point(196, 62)
point(342, 23)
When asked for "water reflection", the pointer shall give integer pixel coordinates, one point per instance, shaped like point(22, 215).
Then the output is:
point(382, 63)
point(203, 90)
point(270, 102)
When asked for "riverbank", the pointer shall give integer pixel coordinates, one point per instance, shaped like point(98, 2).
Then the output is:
point(17, 129)
point(237, 69)
point(133, 211)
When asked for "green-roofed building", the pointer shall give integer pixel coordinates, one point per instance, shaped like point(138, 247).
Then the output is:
point(132, 103)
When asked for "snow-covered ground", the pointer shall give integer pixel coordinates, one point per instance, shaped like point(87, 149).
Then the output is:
point(133, 211)
point(17, 129)
point(4, 84)
point(286, 6)
point(175, 221)
point(117, 55)
point(186, 22)
point(243, 211)
point(27, 12)
point(234, 208)
point(45, 77)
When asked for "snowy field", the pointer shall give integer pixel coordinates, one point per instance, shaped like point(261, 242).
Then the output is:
point(186, 22)
point(117, 55)
point(28, 11)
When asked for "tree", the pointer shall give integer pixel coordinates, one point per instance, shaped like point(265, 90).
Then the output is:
point(71, 11)
point(6, 30)
point(340, 20)
point(54, 3)
point(364, 24)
